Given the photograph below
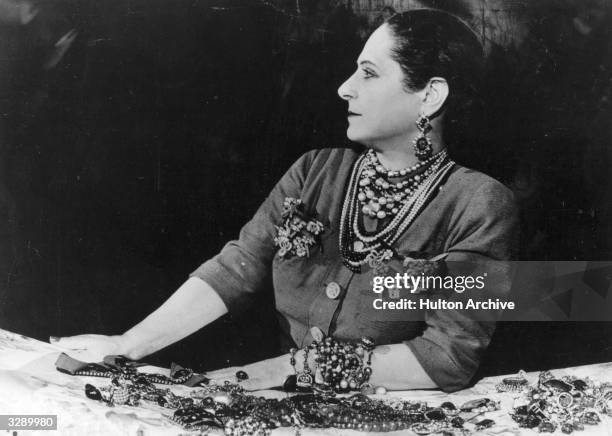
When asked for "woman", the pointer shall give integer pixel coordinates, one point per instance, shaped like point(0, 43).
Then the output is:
point(338, 218)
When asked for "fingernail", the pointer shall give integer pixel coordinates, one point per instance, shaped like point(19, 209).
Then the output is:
point(53, 338)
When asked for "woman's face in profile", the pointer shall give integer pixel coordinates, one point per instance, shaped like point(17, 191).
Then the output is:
point(381, 110)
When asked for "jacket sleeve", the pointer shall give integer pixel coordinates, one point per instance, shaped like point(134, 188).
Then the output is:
point(482, 238)
point(244, 265)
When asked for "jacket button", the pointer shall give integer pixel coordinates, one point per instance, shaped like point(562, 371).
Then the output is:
point(317, 334)
point(333, 290)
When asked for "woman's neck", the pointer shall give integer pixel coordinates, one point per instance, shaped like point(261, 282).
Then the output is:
point(396, 159)
point(398, 155)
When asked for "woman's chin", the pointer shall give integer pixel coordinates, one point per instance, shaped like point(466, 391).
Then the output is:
point(354, 136)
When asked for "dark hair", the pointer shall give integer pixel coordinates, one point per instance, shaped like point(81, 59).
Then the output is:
point(432, 43)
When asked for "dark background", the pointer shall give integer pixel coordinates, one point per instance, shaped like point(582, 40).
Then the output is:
point(134, 155)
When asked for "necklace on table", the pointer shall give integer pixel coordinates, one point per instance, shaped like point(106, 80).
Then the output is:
point(369, 191)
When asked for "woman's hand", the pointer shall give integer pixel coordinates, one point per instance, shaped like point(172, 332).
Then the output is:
point(91, 348)
point(265, 374)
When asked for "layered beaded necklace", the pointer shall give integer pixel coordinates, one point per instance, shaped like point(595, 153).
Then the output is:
point(372, 193)
point(379, 196)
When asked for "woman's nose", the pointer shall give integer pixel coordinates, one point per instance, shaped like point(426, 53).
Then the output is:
point(346, 90)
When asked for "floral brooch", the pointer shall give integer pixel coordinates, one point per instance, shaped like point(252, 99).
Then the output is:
point(297, 233)
point(426, 267)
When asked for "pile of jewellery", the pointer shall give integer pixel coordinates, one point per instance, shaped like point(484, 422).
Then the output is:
point(227, 407)
point(567, 403)
point(357, 412)
point(129, 387)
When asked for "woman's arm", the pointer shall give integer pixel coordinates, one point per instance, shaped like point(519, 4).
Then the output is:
point(396, 368)
point(483, 226)
point(393, 366)
point(193, 305)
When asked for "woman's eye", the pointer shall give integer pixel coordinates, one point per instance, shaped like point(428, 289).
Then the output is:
point(368, 74)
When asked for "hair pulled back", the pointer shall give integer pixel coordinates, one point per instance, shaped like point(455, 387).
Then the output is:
point(432, 43)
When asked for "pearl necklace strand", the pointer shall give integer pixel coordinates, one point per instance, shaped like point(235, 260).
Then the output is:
point(374, 248)
point(381, 198)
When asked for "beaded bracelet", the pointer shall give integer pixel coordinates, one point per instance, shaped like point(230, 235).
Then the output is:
point(95, 370)
point(339, 367)
point(344, 367)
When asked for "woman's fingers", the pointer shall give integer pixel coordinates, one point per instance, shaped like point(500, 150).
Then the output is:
point(70, 342)
point(224, 374)
point(229, 374)
point(90, 356)
point(88, 348)
point(265, 374)
point(258, 378)
point(256, 384)
point(232, 370)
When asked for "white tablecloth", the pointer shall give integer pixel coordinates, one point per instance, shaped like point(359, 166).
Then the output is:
point(30, 384)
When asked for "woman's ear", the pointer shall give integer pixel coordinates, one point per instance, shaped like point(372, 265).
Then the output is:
point(436, 93)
